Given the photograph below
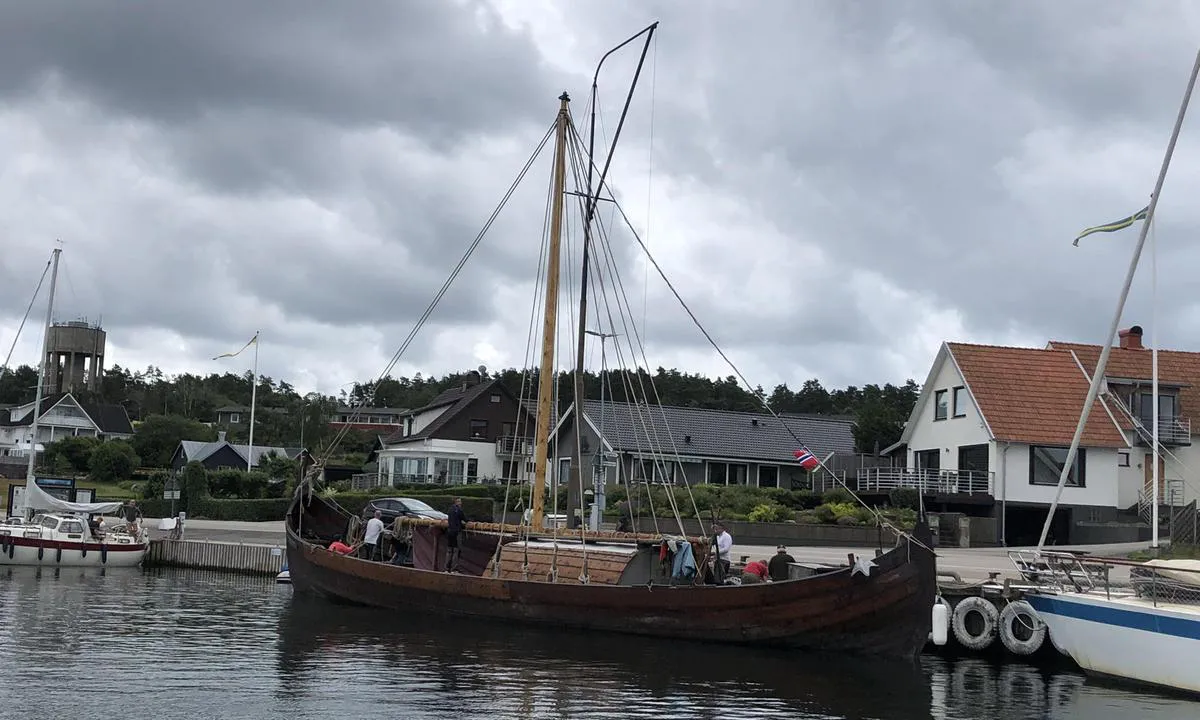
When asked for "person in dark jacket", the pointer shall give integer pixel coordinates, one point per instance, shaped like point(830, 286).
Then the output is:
point(778, 566)
point(454, 526)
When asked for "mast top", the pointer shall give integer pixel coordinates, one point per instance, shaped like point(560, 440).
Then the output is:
point(565, 97)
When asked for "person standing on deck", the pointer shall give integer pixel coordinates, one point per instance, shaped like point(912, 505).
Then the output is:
point(779, 564)
point(455, 522)
point(724, 546)
point(132, 513)
point(371, 537)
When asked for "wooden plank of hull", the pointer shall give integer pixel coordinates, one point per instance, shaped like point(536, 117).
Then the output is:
point(888, 613)
point(25, 552)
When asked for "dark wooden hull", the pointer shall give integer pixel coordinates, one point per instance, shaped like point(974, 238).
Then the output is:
point(885, 614)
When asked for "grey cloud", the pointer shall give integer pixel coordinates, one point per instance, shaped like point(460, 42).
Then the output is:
point(439, 69)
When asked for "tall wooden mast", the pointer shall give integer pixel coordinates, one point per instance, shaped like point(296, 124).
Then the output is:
point(546, 372)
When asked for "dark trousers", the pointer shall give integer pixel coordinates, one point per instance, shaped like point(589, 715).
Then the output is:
point(451, 550)
point(369, 551)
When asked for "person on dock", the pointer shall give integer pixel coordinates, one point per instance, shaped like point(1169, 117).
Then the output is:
point(374, 530)
point(456, 521)
point(779, 564)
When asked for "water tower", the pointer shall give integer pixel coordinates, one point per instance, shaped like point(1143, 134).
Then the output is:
point(74, 356)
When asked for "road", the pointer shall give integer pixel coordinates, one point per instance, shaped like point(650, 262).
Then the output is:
point(972, 564)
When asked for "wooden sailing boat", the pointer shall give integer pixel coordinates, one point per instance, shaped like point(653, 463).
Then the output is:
point(613, 582)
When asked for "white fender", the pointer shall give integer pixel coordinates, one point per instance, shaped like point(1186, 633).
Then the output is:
point(1021, 630)
point(941, 622)
point(981, 635)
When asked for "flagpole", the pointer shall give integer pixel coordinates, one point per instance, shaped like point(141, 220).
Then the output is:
point(1106, 349)
point(253, 403)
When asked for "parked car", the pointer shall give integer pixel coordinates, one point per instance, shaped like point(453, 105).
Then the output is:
point(392, 508)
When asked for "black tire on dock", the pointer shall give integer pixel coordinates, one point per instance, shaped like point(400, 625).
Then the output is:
point(1021, 630)
point(974, 623)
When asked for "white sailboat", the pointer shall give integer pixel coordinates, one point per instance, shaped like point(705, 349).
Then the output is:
point(1149, 632)
point(54, 532)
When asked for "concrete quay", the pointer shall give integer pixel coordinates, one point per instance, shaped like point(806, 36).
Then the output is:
point(972, 564)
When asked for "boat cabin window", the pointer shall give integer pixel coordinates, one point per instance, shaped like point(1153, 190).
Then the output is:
point(73, 527)
point(50, 523)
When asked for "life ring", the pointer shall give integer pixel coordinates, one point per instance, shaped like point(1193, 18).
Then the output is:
point(974, 622)
point(1021, 630)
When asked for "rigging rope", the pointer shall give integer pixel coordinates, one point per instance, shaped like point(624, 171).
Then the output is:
point(880, 520)
point(21, 327)
point(345, 428)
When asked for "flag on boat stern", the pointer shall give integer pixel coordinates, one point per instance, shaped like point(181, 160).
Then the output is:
point(239, 352)
point(1113, 226)
point(807, 460)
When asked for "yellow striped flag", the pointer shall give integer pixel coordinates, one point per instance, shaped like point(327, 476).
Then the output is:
point(239, 352)
point(1113, 226)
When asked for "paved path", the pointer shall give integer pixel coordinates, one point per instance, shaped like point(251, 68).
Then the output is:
point(971, 564)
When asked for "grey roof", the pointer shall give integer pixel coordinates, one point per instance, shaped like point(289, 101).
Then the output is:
point(199, 451)
point(108, 418)
point(717, 433)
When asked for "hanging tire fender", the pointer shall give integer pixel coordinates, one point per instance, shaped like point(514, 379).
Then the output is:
point(1016, 619)
point(975, 638)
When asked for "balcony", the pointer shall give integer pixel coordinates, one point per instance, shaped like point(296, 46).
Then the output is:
point(948, 482)
point(514, 446)
point(1172, 430)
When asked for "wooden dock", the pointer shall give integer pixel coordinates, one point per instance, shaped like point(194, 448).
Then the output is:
point(250, 558)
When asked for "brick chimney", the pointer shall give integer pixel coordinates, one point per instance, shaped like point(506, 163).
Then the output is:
point(1131, 339)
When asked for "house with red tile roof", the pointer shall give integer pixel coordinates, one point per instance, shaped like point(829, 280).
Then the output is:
point(989, 435)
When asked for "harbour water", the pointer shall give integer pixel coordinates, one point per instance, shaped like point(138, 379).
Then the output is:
point(191, 644)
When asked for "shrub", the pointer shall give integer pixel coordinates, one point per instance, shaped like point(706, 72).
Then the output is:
point(194, 485)
point(838, 495)
point(769, 512)
point(155, 484)
point(903, 497)
point(824, 514)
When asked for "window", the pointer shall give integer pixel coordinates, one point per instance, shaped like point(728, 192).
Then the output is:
point(234, 418)
point(71, 527)
point(479, 429)
point(472, 469)
point(768, 476)
point(960, 402)
point(1046, 464)
point(727, 473)
point(1122, 458)
point(940, 408)
point(495, 397)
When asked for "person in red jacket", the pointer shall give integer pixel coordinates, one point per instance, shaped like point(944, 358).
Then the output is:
point(754, 572)
point(339, 547)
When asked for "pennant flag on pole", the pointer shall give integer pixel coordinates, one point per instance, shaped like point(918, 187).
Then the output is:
point(1113, 226)
point(239, 352)
point(807, 460)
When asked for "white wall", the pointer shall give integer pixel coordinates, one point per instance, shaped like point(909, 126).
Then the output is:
point(949, 434)
point(1100, 479)
point(422, 420)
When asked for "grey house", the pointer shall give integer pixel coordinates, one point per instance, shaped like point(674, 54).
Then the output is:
point(696, 445)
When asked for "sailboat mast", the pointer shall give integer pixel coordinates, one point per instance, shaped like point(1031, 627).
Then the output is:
point(1154, 477)
point(37, 398)
point(550, 325)
point(1106, 348)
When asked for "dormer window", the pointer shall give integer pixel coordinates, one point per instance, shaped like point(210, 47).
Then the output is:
point(479, 429)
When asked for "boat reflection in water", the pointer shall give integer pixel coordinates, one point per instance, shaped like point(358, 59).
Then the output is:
point(422, 667)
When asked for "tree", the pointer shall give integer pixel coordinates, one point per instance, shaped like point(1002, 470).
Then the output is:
point(18, 385)
point(277, 467)
point(71, 454)
point(158, 437)
point(112, 461)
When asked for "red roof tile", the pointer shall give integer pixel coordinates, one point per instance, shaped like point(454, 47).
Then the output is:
point(1032, 396)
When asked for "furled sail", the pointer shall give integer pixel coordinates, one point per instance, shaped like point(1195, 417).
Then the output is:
point(38, 499)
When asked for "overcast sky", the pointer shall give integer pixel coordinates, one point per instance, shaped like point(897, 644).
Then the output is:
point(834, 187)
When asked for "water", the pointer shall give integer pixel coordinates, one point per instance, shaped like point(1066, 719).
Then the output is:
point(180, 644)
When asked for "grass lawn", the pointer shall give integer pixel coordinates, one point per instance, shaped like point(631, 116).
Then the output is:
point(1168, 552)
point(100, 491)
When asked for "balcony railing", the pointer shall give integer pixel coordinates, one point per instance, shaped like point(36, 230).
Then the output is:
point(1172, 430)
point(950, 482)
point(514, 445)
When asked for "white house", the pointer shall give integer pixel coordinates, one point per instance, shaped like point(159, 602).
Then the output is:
point(477, 432)
point(62, 415)
point(994, 424)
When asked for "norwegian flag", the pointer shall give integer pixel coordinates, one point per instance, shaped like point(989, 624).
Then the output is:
point(807, 460)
